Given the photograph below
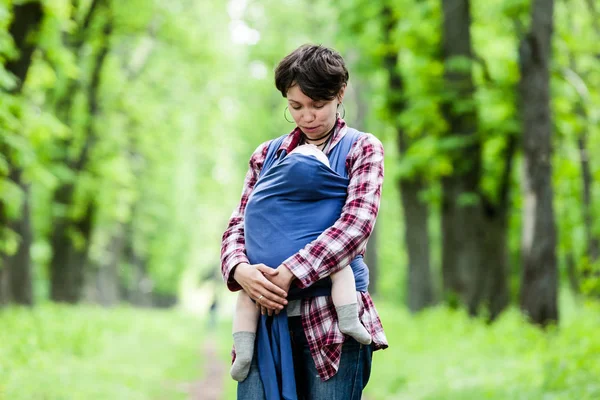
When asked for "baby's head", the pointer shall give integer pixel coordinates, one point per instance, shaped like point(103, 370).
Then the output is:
point(311, 150)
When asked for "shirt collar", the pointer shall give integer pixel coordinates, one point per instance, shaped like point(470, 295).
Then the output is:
point(292, 140)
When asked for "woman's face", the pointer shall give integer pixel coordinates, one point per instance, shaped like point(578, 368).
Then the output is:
point(314, 118)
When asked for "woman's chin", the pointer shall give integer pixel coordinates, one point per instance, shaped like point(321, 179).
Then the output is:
point(314, 134)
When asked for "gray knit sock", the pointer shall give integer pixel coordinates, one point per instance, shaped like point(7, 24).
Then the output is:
point(350, 324)
point(243, 342)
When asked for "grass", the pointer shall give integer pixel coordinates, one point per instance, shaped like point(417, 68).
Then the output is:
point(67, 353)
point(445, 355)
point(442, 354)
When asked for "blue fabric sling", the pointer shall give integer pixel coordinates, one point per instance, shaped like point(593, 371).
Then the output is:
point(295, 199)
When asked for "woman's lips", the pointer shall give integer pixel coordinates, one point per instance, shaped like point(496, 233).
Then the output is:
point(311, 129)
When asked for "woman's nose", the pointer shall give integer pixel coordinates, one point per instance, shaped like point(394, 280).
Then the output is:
point(309, 116)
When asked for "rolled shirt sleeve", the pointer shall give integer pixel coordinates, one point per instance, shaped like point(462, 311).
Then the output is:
point(233, 248)
point(337, 246)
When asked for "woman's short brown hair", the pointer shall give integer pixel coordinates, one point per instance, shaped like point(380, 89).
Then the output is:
point(320, 72)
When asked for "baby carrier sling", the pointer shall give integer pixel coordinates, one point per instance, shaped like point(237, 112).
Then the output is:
point(294, 200)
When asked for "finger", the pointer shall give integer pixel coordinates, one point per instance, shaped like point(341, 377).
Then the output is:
point(267, 270)
point(273, 288)
point(259, 300)
point(263, 310)
point(273, 301)
point(263, 287)
point(266, 301)
point(259, 283)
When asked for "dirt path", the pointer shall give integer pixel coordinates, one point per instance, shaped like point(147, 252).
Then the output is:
point(210, 387)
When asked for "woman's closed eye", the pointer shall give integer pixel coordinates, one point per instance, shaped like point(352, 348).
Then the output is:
point(317, 106)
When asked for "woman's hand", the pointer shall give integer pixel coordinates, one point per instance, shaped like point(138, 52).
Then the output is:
point(253, 279)
point(283, 278)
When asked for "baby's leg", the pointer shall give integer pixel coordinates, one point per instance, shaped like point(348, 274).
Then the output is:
point(343, 294)
point(245, 320)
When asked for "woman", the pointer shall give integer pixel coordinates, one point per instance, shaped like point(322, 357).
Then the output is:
point(305, 333)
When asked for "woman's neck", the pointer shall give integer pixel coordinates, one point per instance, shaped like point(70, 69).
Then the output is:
point(320, 142)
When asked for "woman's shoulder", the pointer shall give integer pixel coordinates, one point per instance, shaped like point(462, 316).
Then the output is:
point(261, 148)
point(260, 153)
point(266, 144)
point(366, 142)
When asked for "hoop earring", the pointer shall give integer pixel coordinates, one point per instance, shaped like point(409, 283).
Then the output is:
point(343, 108)
point(285, 115)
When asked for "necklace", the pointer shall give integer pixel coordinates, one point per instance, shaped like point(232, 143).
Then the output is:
point(324, 143)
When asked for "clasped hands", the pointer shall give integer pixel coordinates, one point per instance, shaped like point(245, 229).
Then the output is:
point(266, 285)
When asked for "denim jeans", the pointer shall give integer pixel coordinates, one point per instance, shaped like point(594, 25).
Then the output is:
point(348, 384)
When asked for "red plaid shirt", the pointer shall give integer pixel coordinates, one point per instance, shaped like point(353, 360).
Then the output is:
point(334, 249)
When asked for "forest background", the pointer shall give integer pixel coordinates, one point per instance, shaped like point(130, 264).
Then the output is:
point(125, 133)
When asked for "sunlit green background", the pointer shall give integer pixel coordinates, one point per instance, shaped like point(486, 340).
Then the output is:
point(129, 140)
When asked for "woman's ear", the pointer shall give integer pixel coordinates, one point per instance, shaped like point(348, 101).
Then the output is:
point(341, 94)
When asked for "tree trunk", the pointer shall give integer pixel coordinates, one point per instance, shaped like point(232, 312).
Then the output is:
point(64, 96)
point(4, 291)
point(572, 273)
point(66, 269)
point(103, 281)
point(416, 235)
point(4, 228)
point(461, 245)
point(461, 208)
point(15, 270)
point(493, 283)
point(592, 245)
point(68, 261)
point(137, 289)
point(162, 300)
point(18, 266)
point(27, 18)
point(540, 278)
point(140, 291)
point(16, 284)
point(416, 211)
point(107, 284)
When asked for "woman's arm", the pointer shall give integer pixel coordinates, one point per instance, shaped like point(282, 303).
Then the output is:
point(237, 271)
point(337, 246)
point(233, 247)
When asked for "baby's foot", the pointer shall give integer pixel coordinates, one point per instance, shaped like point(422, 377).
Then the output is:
point(350, 324)
point(243, 342)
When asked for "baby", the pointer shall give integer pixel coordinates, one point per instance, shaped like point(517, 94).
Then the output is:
point(343, 295)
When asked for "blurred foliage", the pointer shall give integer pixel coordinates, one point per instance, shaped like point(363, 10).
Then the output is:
point(186, 94)
point(444, 354)
point(57, 352)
